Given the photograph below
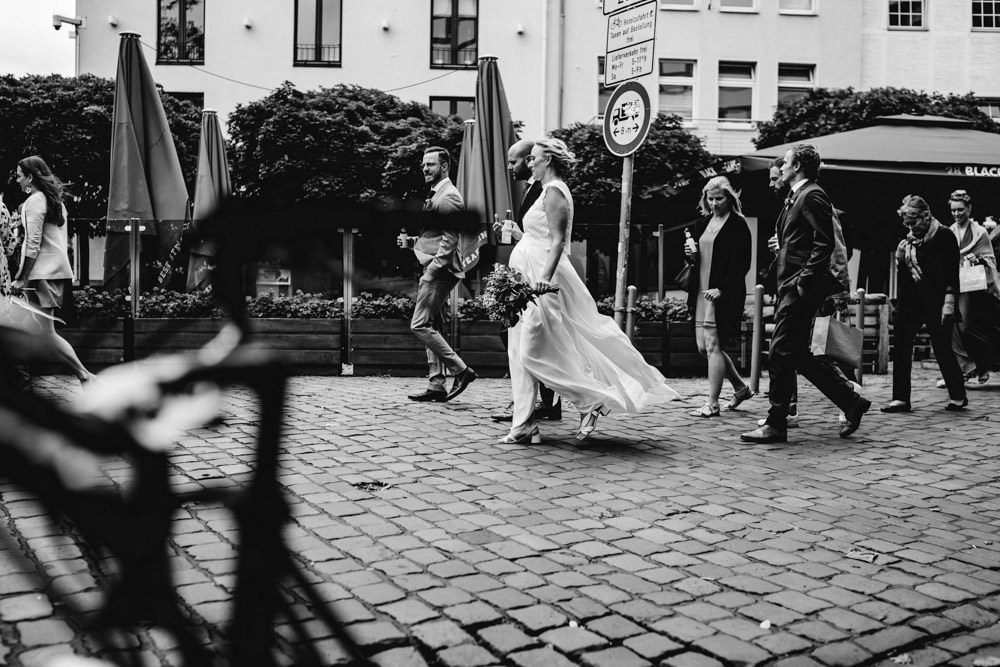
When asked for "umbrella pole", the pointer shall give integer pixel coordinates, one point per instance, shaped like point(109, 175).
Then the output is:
point(623, 231)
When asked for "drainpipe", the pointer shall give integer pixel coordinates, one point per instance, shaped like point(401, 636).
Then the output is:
point(562, 59)
point(545, 65)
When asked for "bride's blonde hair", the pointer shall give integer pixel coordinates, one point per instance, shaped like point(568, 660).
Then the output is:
point(562, 157)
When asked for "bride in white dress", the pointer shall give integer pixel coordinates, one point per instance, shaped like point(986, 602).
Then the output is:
point(561, 339)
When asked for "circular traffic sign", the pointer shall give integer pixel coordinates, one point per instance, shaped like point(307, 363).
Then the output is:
point(626, 120)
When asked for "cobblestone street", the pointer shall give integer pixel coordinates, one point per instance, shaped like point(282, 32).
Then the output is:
point(661, 541)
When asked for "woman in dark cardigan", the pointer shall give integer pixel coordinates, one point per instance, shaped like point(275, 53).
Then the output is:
point(717, 291)
point(927, 270)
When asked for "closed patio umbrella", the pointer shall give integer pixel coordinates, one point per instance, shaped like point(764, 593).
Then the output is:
point(146, 179)
point(212, 188)
point(468, 170)
point(494, 134)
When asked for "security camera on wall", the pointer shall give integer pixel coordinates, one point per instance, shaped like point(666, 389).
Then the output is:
point(59, 19)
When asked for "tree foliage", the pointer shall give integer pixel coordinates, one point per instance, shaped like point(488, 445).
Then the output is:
point(67, 120)
point(828, 110)
point(339, 145)
point(668, 152)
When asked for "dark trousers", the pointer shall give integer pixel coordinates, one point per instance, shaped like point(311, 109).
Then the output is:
point(981, 330)
point(789, 352)
point(904, 331)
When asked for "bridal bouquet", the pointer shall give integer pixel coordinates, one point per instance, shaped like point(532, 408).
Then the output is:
point(507, 294)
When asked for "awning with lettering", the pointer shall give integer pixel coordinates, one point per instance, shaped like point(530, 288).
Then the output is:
point(902, 144)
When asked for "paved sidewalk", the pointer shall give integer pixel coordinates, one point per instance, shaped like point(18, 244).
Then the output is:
point(663, 541)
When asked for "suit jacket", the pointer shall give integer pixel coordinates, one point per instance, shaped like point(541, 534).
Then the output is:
point(530, 195)
point(730, 263)
point(437, 246)
point(812, 254)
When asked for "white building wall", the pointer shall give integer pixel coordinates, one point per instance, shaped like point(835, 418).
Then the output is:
point(371, 57)
point(947, 56)
point(830, 39)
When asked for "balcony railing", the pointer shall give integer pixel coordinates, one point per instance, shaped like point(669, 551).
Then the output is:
point(449, 57)
point(326, 53)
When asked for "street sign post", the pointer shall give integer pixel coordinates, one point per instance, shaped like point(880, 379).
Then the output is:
point(626, 124)
point(630, 40)
point(629, 54)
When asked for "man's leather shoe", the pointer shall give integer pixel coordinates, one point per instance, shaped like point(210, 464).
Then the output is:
point(462, 380)
point(897, 406)
point(854, 418)
point(764, 435)
point(437, 396)
point(549, 412)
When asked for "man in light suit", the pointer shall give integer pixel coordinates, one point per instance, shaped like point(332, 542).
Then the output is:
point(549, 407)
point(437, 251)
point(811, 265)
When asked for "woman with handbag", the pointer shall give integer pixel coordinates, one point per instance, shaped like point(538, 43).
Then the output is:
point(719, 262)
point(977, 332)
point(927, 270)
point(45, 273)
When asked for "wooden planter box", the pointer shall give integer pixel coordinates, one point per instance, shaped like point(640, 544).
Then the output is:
point(386, 347)
point(671, 347)
point(310, 347)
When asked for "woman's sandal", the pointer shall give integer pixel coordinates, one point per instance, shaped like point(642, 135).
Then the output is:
point(588, 423)
point(739, 397)
point(707, 410)
point(532, 436)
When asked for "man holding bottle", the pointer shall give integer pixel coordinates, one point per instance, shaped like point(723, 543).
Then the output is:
point(437, 251)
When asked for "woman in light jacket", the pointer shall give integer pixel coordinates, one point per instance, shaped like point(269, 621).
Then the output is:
point(45, 272)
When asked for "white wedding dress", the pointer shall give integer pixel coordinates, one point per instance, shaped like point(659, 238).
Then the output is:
point(563, 341)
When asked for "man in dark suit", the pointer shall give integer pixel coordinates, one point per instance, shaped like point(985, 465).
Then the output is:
point(517, 155)
point(811, 265)
point(437, 251)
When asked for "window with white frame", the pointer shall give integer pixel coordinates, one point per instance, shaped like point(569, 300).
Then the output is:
point(797, 6)
point(678, 4)
point(676, 87)
point(738, 5)
point(603, 92)
point(795, 81)
point(986, 14)
point(907, 14)
point(463, 107)
point(990, 106)
point(736, 89)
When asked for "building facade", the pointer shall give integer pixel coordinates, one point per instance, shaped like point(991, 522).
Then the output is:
point(722, 65)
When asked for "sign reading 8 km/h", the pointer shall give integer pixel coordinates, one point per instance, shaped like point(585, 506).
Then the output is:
point(626, 120)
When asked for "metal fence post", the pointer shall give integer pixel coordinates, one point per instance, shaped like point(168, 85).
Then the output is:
point(659, 264)
point(346, 344)
point(860, 318)
point(758, 338)
point(633, 291)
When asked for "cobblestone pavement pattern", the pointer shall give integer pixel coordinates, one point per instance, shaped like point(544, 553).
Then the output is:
point(661, 542)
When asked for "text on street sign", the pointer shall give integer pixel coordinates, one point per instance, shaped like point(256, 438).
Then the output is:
point(611, 6)
point(633, 26)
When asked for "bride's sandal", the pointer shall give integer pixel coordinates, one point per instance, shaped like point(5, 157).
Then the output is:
point(532, 436)
point(707, 410)
point(588, 423)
